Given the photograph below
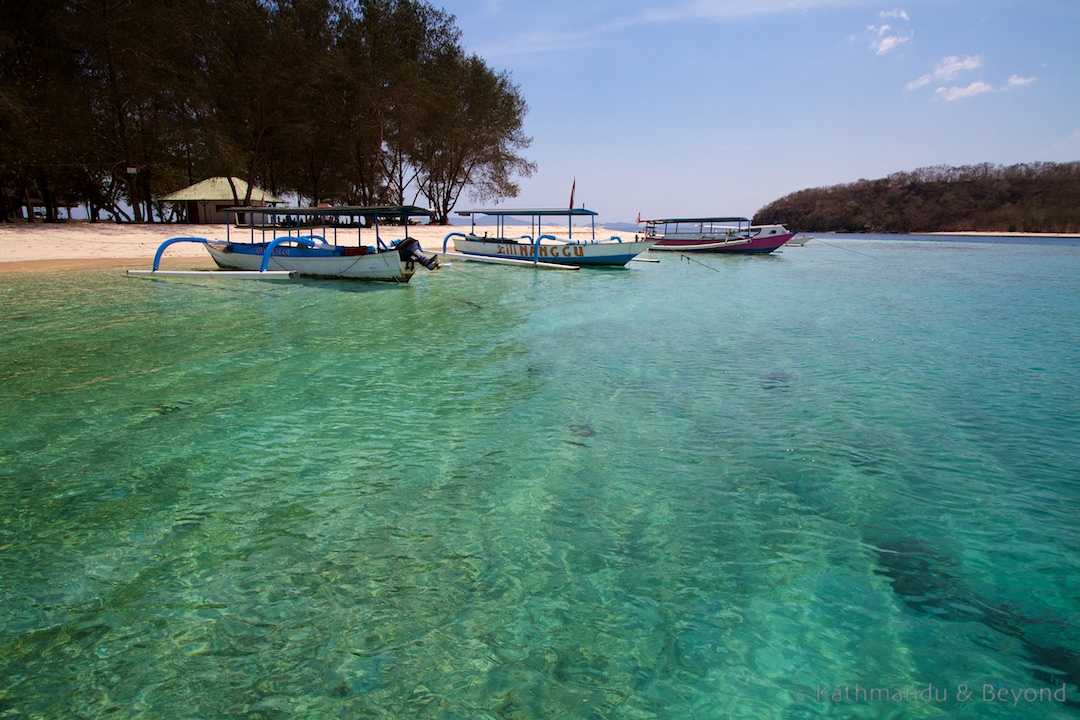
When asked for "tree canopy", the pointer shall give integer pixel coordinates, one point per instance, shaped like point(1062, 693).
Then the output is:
point(116, 102)
point(1031, 197)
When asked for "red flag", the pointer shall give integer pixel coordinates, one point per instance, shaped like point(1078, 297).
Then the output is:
point(572, 188)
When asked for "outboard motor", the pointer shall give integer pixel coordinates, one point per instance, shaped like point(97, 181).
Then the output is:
point(409, 251)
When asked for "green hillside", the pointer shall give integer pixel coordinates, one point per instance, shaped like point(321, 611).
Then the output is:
point(1031, 197)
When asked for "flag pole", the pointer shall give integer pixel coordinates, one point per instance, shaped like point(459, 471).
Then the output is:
point(570, 215)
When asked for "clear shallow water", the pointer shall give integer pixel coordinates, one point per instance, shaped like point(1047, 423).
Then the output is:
point(725, 487)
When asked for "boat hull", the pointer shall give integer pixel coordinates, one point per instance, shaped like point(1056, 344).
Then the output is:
point(384, 266)
point(605, 253)
point(713, 245)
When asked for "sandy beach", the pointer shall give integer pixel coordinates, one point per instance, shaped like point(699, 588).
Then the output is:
point(76, 244)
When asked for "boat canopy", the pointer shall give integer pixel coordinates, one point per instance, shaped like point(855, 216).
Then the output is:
point(702, 225)
point(700, 220)
point(533, 212)
point(335, 212)
point(287, 220)
point(534, 215)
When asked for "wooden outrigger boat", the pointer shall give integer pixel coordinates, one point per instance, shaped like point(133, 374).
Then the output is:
point(287, 242)
point(715, 234)
point(538, 249)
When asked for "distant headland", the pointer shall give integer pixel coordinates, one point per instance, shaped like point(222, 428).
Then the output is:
point(1040, 197)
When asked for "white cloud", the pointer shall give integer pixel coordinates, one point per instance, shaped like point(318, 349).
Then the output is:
point(950, 68)
point(1017, 81)
point(916, 84)
point(886, 39)
point(885, 36)
point(956, 93)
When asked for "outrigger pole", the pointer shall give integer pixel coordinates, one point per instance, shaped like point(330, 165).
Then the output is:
point(243, 274)
point(262, 274)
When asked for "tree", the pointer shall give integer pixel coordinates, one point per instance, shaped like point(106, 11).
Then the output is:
point(468, 135)
point(43, 118)
point(305, 146)
point(367, 101)
point(242, 112)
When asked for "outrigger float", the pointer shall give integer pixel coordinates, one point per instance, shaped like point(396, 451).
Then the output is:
point(282, 244)
point(538, 249)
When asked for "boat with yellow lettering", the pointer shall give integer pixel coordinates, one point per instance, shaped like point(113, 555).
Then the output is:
point(537, 248)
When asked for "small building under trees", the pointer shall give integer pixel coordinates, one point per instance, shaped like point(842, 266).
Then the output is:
point(26, 205)
point(206, 201)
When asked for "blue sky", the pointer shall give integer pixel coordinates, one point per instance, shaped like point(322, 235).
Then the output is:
point(692, 107)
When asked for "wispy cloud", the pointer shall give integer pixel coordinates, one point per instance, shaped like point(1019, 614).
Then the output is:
point(681, 12)
point(952, 67)
point(885, 38)
point(733, 9)
point(948, 69)
point(916, 84)
point(956, 93)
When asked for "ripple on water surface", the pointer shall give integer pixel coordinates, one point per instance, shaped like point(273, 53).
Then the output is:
point(724, 488)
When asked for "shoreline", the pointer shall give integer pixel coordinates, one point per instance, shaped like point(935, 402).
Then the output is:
point(983, 233)
point(959, 233)
point(81, 245)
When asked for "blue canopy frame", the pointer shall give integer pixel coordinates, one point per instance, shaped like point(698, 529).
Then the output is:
point(534, 215)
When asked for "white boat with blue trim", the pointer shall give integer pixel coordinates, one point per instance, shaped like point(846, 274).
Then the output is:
point(536, 248)
point(327, 242)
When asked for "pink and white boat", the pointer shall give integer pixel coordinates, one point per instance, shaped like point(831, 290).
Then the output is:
point(714, 234)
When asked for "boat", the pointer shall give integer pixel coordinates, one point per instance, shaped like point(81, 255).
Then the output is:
point(714, 234)
point(536, 248)
point(326, 242)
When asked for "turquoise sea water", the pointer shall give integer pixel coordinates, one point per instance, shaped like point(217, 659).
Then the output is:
point(838, 481)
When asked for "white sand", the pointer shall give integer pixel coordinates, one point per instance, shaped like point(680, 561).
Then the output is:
point(77, 244)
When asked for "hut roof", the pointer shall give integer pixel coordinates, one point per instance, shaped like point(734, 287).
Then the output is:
point(217, 188)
